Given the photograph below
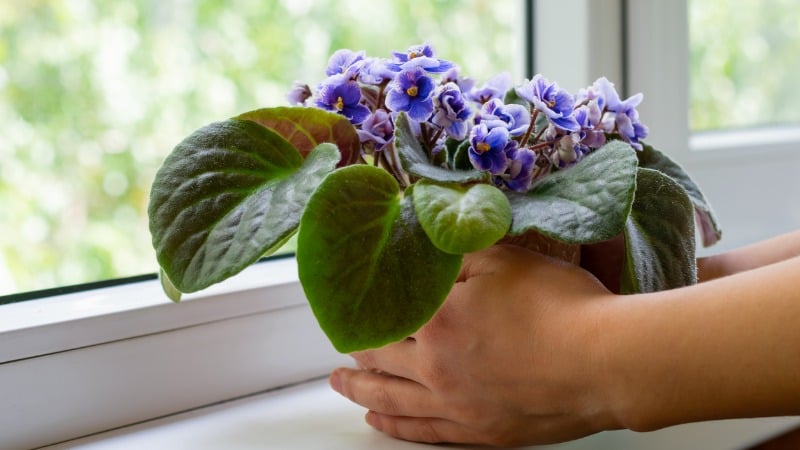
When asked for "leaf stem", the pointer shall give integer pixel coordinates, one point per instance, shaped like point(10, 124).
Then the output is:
point(531, 126)
point(393, 166)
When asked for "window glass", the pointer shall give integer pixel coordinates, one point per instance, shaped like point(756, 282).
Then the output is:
point(745, 63)
point(94, 94)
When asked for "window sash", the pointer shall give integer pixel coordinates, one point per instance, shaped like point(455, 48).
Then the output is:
point(746, 174)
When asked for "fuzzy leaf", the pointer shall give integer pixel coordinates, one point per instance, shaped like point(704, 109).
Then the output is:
point(458, 154)
point(462, 218)
point(305, 128)
point(461, 157)
point(651, 158)
point(659, 236)
point(225, 196)
point(370, 273)
point(169, 289)
point(415, 161)
point(587, 203)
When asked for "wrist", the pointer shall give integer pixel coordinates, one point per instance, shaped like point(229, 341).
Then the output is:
point(710, 267)
point(625, 379)
point(605, 394)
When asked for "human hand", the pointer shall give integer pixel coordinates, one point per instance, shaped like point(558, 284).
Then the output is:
point(511, 358)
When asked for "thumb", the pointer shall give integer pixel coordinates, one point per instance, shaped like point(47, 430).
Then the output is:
point(493, 259)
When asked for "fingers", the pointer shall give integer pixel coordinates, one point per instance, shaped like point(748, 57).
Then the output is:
point(397, 359)
point(401, 408)
point(386, 394)
point(422, 429)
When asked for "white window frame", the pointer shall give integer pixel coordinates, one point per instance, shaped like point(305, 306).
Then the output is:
point(90, 361)
point(114, 356)
point(748, 175)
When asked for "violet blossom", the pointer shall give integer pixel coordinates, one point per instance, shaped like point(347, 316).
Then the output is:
point(419, 56)
point(412, 92)
point(487, 150)
point(451, 111)
point(342, 96)
point(556, 103)
point(494, 113)
point(377, 129)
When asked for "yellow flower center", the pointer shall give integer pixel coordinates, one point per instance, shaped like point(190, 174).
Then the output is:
point(413, 54)
point(412, 91)
point(551, 103)
point(483, 147)
point(339, 105)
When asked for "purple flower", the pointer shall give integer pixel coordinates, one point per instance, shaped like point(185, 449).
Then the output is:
point(496, 87)
point(374, 71)
point(520, 168)
point(419, 56)
point(343, 96)
point(568, 151)
point(452, 76)
point(513, 117)
point(588, 118)
point(299, 93)
point(621, 115)
point(606, 94)
point(450, 111)
point(411, 91)
point(377, 128)
point(630, 128)
point(591, 95)
point(554, 102)
point(345, 62)
point(487, 150)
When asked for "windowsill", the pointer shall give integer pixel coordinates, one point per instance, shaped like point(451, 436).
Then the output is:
point(110, 357)
point(733, 146)
point(312, 416)
point(80, 319)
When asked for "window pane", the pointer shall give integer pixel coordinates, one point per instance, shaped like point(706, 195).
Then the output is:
point(744, 63)
point(94, 94)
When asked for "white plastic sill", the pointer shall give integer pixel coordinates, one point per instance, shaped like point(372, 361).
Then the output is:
point(80, 319)
point(745, 144)
point(312, 416)
point(83, 363)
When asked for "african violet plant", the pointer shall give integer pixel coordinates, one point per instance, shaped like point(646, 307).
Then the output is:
point(391, 169)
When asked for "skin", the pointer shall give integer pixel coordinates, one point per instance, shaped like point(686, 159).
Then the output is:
point(565, 357)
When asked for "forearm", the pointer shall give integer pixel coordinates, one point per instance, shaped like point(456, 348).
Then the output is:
point(779, 248)
point(722, 349)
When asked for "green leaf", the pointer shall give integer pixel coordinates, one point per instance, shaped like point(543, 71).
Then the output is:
point(512, 97)
point(415, 161)
point(172, 292)
point(462, 218)
point(306, 127)
point(225, 196)
point(370, 273)
point(461, 158)
point(659, 236)
point(651, 158)
point(587, 203)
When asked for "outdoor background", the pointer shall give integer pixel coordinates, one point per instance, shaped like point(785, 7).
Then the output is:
point(94, 94)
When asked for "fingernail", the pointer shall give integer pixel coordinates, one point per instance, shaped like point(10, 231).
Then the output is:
point(336, 382)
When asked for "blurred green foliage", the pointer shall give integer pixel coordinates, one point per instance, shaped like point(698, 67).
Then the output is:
point(745, 63)
point(94, 94)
